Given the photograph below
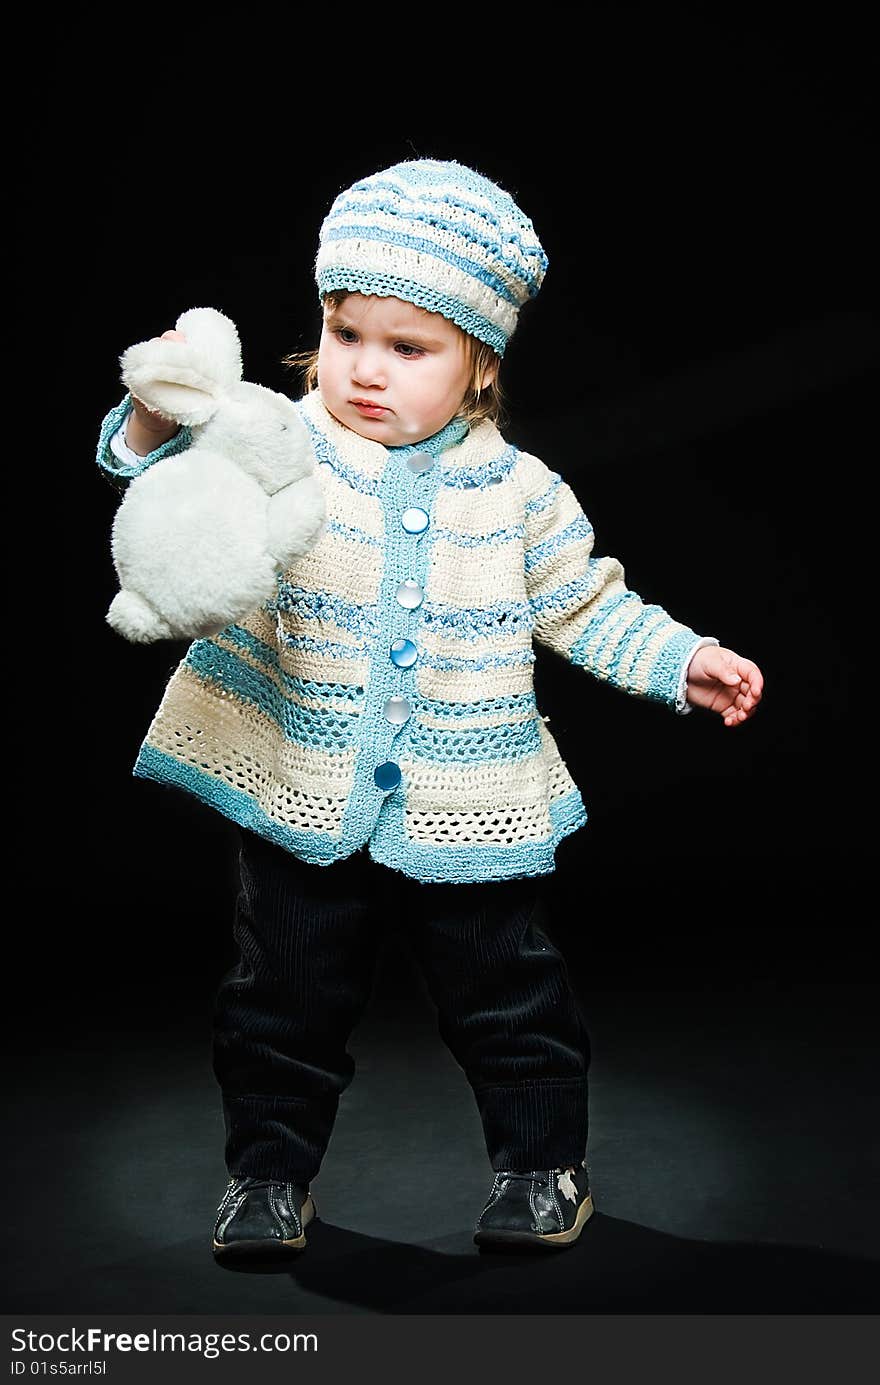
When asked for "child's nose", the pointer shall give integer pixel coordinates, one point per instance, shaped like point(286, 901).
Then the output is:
point(368, 368)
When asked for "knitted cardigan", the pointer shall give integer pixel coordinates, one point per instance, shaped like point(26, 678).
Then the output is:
point(278, 721)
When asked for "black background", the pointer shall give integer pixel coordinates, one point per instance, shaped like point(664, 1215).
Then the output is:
point(696, 366)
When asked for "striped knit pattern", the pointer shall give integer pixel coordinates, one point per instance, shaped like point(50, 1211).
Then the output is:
point(278, 721)
point(437, 234)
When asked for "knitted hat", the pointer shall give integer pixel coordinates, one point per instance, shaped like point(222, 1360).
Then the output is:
point(437, 234)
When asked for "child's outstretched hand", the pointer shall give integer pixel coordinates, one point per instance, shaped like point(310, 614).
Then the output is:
point(724, 682)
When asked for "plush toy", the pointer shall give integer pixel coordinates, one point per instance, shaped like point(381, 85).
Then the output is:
point(201, 536)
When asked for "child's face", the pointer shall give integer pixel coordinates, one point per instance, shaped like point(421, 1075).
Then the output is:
point(411, 362)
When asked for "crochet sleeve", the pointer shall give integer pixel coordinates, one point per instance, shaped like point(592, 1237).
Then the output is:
point(581, 606)
point(119, 473)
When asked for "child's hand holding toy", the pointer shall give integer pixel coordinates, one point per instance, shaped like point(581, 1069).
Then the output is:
point(202, 535)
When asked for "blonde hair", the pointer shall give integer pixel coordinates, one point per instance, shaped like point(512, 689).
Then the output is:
point(480, 400)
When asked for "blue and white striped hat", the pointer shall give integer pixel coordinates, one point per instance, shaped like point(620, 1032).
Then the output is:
point(438, 234)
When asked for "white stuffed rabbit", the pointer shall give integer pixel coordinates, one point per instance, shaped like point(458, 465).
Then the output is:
point(200, 537)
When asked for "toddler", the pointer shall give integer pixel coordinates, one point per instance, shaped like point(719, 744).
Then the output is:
point(378, 717)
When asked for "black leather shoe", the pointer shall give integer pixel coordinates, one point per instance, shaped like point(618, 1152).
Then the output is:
point(257, 1217)
point(536, 1207)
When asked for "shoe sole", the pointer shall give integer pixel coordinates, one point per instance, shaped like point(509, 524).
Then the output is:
point(267, 1246)
point(551, 1240)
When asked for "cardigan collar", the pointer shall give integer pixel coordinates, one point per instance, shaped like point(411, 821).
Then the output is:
point(461, 445)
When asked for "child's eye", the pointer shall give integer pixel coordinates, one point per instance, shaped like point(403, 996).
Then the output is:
point(409, 353)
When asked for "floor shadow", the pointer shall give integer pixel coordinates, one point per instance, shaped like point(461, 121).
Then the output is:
point(714, 1123)
point(615, 1267)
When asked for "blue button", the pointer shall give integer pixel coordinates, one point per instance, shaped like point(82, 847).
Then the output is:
point(495, 480)
point(404, 653)
point(409, 594)
point(419, 462)
point(387, 775)
point(397, 710)
point(414, 521)
point(469, 485)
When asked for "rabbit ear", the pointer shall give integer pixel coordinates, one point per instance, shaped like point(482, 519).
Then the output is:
point(173, 385)
point(215, 337)
point(185, 380)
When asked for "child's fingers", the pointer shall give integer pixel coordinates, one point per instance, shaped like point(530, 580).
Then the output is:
point(740, 710)
point(749, 692)
point(753, 697)
point(753, 680)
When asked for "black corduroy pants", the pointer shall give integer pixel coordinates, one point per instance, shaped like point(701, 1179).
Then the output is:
point(308, 938)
